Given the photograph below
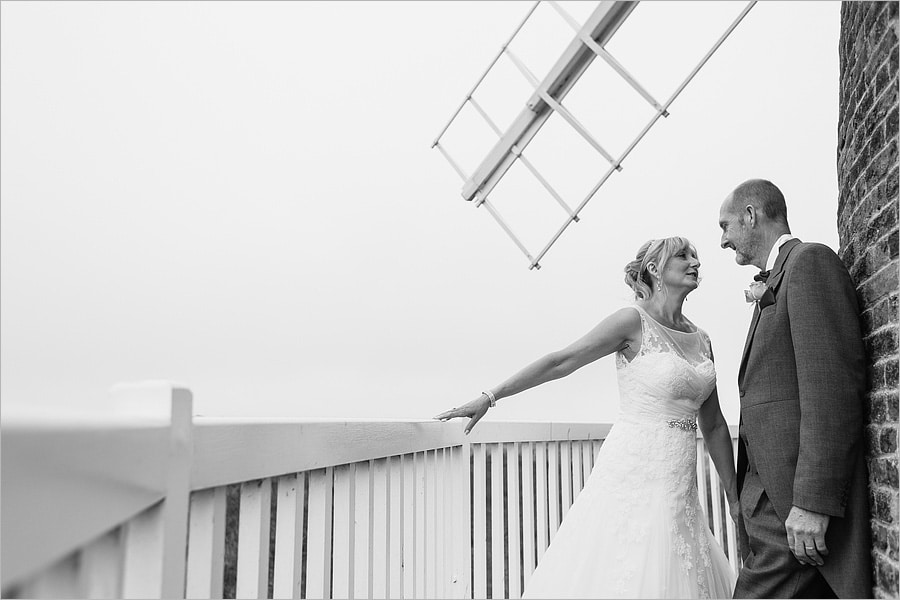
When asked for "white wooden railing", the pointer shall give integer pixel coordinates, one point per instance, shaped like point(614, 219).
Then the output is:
point(155, 503)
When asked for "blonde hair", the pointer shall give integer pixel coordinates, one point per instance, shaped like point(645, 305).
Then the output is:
point(658, 252)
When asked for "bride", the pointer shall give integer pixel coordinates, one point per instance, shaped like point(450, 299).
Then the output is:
point(636, 530)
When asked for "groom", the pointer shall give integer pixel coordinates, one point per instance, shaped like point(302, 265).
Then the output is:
point(804, 526)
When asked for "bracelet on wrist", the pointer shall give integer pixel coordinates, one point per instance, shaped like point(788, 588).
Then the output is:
point(490, 397)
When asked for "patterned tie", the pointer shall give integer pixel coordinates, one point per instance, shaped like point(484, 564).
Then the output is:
point(761, 276)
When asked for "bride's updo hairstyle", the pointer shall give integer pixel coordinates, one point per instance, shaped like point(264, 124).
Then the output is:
point(657, 252)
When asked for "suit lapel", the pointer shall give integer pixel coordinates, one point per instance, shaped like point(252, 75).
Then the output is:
point(774, 279)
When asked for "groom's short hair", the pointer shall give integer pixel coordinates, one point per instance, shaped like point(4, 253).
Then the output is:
point(763, 194)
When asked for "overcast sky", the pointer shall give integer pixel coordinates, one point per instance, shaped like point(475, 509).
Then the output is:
point(242, 197)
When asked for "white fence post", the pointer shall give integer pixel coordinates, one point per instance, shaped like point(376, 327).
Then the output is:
point(156, 541)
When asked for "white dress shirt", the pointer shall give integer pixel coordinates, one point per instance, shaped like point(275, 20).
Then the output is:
point(773, 254)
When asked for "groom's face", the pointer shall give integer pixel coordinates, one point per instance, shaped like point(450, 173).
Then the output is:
point(735, 233)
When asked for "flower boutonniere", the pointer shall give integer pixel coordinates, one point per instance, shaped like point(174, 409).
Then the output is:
point(756, 291)
point(761, 293)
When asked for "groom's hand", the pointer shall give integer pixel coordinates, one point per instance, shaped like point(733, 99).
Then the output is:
point(806, 535)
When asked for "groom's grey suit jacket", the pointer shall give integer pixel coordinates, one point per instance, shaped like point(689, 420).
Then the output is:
point(802, 384)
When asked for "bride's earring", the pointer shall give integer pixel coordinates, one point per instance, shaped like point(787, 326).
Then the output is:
point(659, 285)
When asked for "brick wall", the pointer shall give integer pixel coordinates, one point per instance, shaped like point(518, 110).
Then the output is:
point(867, 224)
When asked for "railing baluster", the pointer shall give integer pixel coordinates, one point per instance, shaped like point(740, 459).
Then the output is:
point(440, 521)
point(462, 521)
point(288, 536)
point(553, 486)
point(732, 546)
point(587, 460)
point(528, 514)
point(142, 537)
point(565, 460)
point(431, 538)
point(449, 521)
point(342, 552)
point(57, 581)
point(577, 469)
point(100, 568)
point(733, 551)
point(362, 565)
point(716, 497)
point(253, 539)
point(595, 450)
point(701, 479)
point(380, 547)
point(396, 534)
point(206, 544)
point(318, 543)
point(498, 547)
point(513, 525)
point(479, 522)
point(421, 531)
point(543, 492)
point(409, 526)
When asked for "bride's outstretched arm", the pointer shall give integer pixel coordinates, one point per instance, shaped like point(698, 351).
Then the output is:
point(614, 333)
point(718, 441)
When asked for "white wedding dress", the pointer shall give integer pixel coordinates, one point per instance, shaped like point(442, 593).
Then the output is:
point(636, 530)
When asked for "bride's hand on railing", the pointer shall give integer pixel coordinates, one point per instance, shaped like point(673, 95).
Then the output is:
point(475, 409)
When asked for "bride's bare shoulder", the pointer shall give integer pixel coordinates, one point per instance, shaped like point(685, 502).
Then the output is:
point(628, 314)
point(626, 320)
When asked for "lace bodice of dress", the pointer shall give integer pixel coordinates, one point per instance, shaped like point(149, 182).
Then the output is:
point(671, 375)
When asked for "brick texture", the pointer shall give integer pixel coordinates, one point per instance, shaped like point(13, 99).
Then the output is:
point(867, 224)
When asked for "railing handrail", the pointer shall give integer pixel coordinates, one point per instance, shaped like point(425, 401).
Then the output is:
point(293, 445)
point(281, 445)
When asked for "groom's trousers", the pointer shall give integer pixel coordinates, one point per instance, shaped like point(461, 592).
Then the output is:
point(770, 569)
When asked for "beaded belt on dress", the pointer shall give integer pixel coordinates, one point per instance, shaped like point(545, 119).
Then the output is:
point(685, 424)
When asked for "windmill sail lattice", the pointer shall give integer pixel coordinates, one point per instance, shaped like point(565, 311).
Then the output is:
point(588, 43)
